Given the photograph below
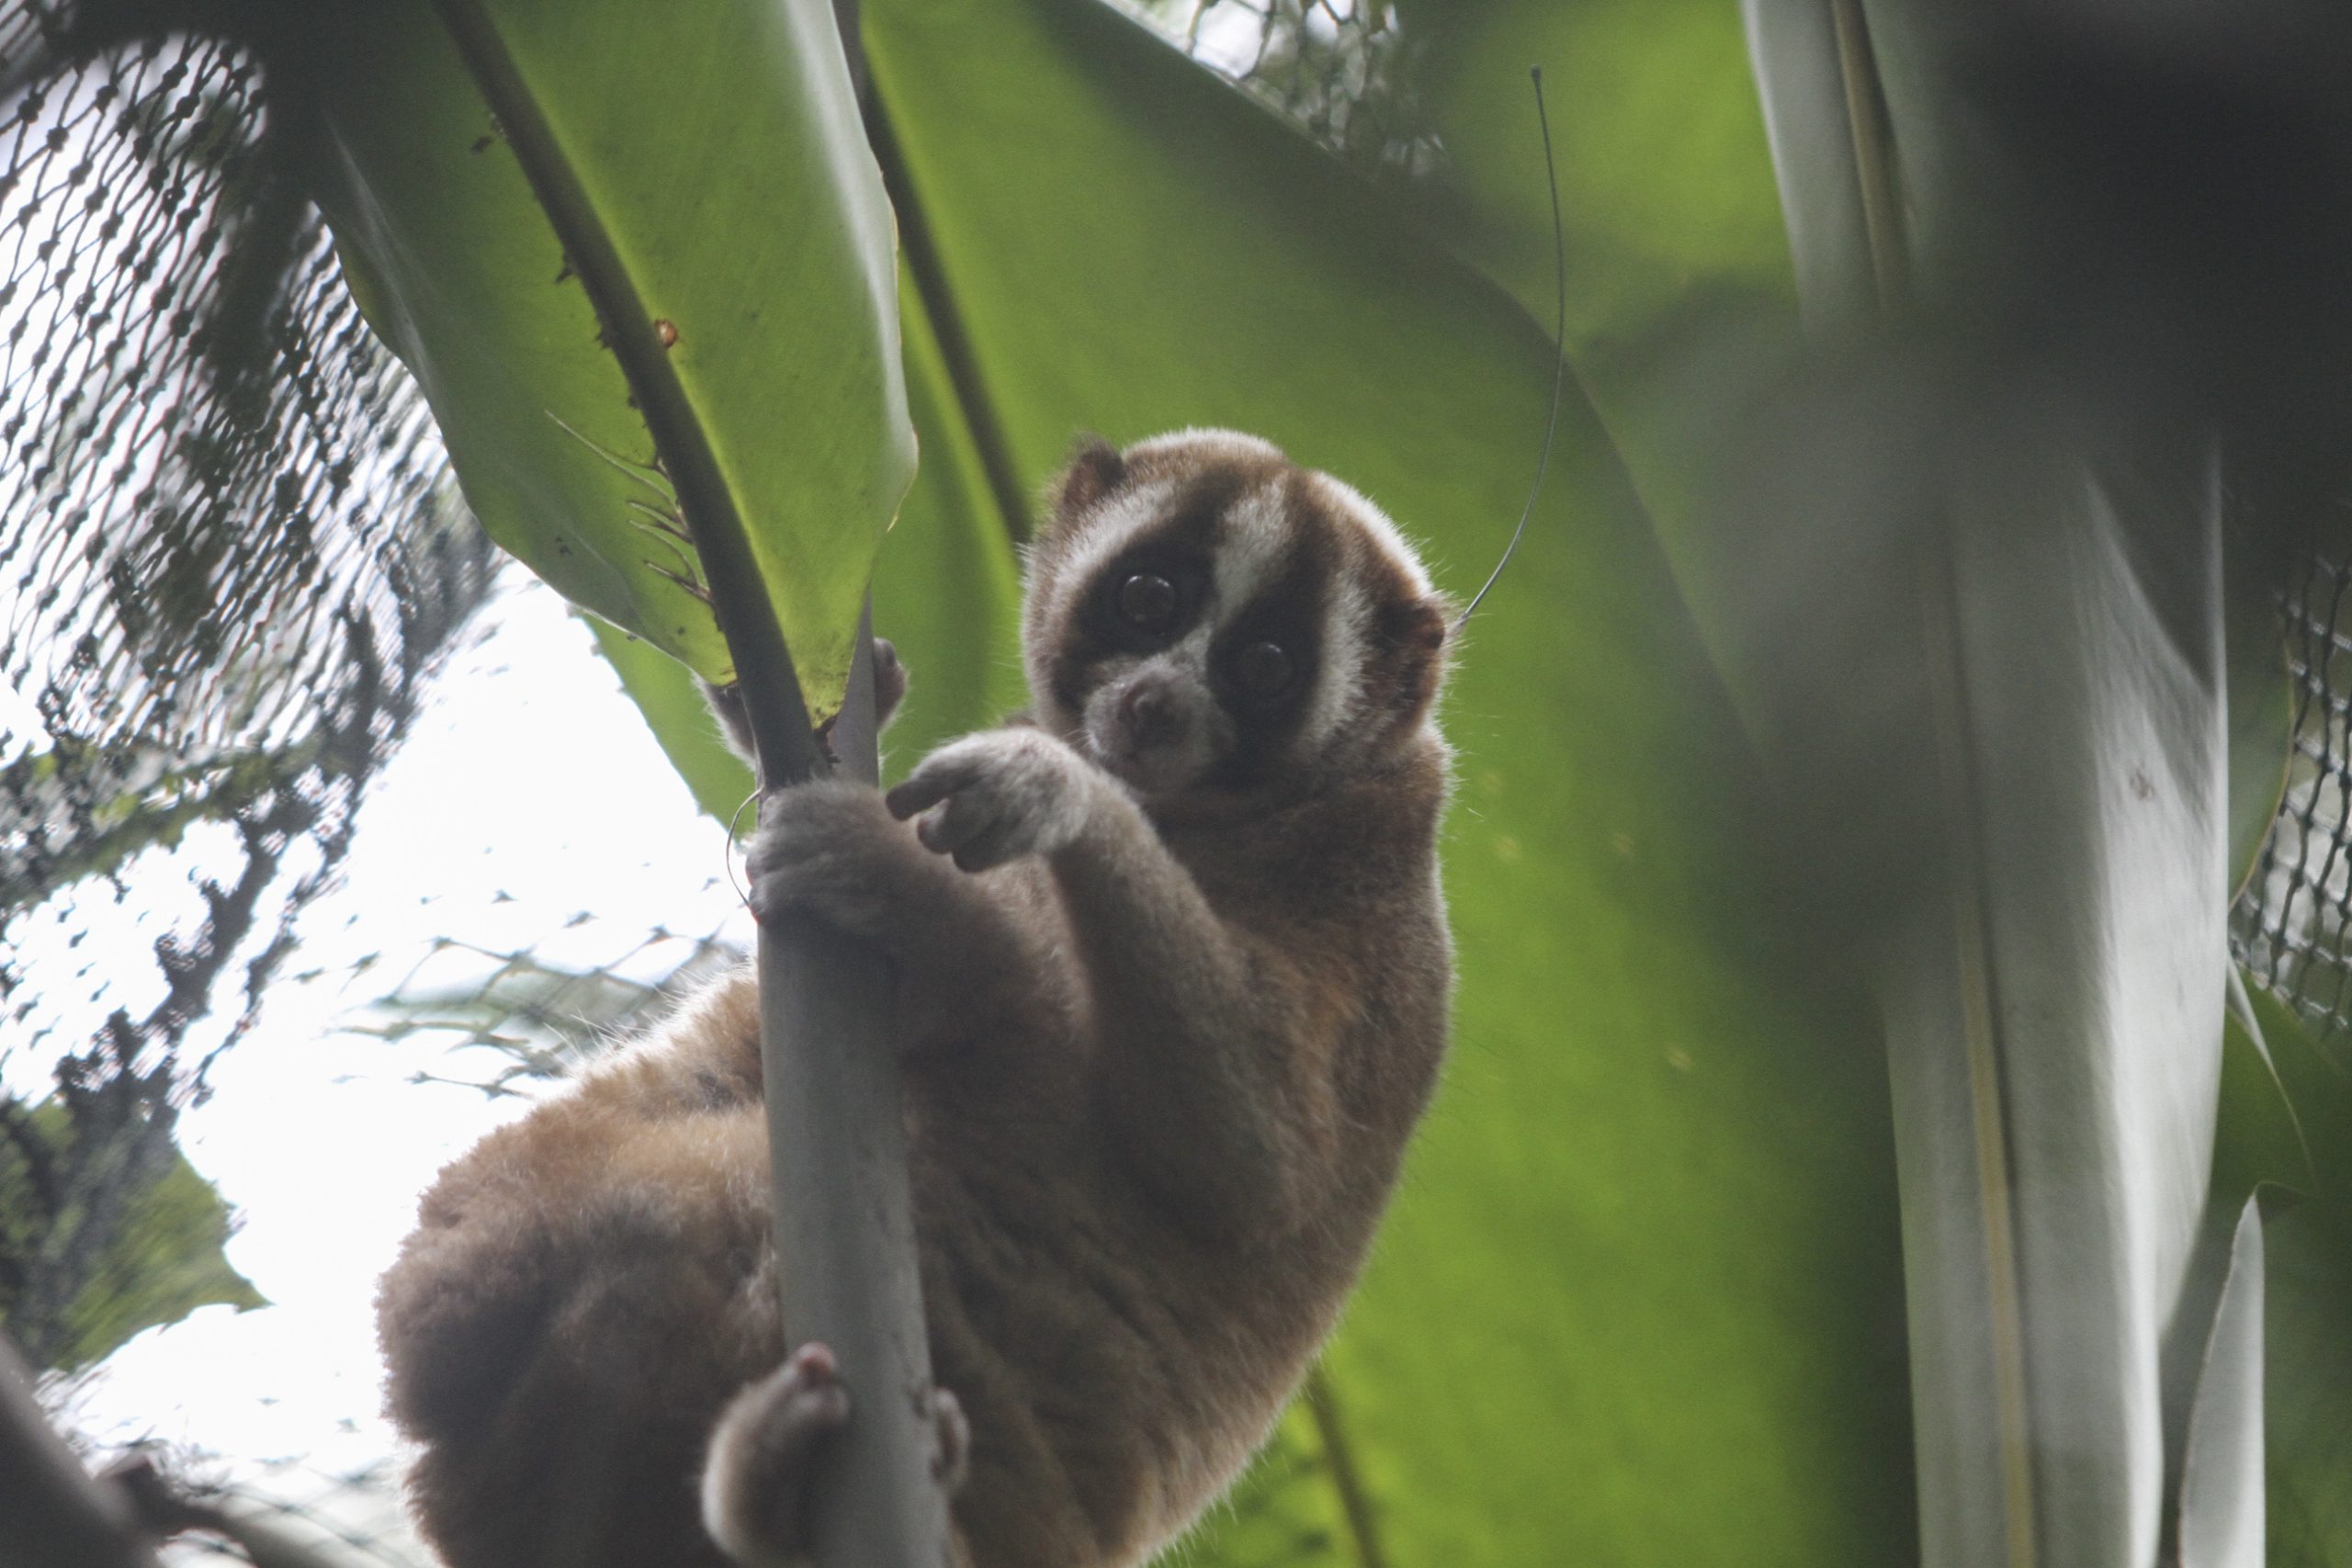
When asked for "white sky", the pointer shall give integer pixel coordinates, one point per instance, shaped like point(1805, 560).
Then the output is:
point(528, 793)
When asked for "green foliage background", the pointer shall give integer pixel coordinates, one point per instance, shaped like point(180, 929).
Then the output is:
point(1640, 1298)
point(159, 1262)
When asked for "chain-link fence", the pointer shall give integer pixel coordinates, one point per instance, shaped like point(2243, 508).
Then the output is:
point(2292, 926)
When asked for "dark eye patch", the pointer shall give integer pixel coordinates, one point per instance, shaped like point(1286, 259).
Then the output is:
point(1266, 659)
point(1263, 660)
point(1145, 600)
point(1263, 670)
point(1176, 548)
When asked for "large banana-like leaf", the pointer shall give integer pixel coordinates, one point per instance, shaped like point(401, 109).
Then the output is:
point(946, 590)
point(766, 298)
point(1661, 1179)
point(1640, 1301)
point(497, 202)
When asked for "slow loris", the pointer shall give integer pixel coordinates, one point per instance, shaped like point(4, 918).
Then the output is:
point(1171, 970)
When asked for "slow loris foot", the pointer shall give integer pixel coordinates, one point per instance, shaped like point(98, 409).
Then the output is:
point(754, 1488)
point(755, 1484)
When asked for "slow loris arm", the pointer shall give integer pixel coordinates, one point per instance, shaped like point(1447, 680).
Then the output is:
point(1191, 1017)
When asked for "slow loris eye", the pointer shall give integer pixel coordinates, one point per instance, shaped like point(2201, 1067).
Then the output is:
point(1148, 600)
point(1263, 669)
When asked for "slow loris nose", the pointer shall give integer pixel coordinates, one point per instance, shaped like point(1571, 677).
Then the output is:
point(1151, 716)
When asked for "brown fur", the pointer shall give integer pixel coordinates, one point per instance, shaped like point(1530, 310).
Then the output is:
point(1160, 1078)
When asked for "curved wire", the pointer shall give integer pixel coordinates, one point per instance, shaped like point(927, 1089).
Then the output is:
point(1559, 348)
point(731, 881)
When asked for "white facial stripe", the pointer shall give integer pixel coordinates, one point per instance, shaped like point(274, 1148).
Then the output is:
point(1253, 541)
point(1339, 678)
point(1382, 534)
point(1120, 519)
point(1190, 653)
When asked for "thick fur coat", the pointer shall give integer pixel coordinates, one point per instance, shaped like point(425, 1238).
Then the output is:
point(1172, 974)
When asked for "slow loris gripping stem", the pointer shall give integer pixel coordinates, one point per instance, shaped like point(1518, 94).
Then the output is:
point(1173, 974)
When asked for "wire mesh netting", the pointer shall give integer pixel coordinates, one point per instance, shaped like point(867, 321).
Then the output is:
point(231, 554)
point(528, 1018)
point(2292, 925)
point(1341, 71)
point(231, 559)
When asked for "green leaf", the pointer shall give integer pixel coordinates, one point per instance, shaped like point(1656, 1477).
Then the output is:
point(2292, 1124)
point(2307, 1383)
point(2222, 1482)
point(1679, 268)
point(162, 1261)
point(2257, 1137)
point(946, 591)
point(1639, 1300)
point(1677, 261)
point(2315, 1077)
point(764, 307)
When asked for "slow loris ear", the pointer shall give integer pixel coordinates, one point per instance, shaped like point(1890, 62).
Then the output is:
point(1422, 625)
point(1095, 470)
point(1413, 638)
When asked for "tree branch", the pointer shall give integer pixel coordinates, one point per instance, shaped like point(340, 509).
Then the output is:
point(843, 1217)
point(53, 1514)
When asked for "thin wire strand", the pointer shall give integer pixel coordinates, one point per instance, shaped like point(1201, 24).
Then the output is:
point(1559, 347)
point(732, 880)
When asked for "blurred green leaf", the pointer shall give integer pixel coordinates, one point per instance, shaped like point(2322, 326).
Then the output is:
point(2315, 1076)
point(2257, 1136)
point(1666, 190)
point(2307, 1383)
point(2043, 745)
point(1639, 1300)
point(2305, 1137)
point(2221, 1481)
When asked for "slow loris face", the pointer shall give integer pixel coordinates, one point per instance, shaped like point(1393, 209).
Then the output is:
point(1204, 617)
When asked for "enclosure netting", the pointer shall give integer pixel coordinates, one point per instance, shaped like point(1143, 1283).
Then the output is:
point(2292, 925)
point(1344, 72)
point(229, 552)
